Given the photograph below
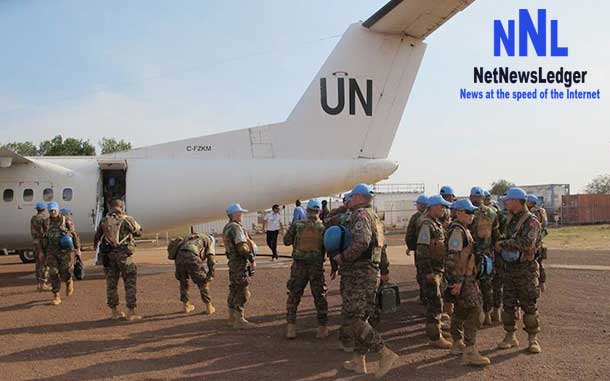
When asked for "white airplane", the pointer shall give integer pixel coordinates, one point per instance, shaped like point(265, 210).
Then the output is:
point(354, 105)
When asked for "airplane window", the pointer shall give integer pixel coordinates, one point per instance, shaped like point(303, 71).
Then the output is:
point(28, 195)
point(7, 196)
point(67, 194)
point(47, 194)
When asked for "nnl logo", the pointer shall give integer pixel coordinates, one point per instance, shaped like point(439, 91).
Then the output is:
point(538, 35)
point(353, 90)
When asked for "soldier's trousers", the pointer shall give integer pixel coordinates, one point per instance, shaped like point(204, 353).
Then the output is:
point(302, 273)
point(359, 283)
point(486, 288)
point(422, 294)
point(61, 265)
point(42, 270)
point(497, 282)
point(434, 302)
point(238, 284)
point(465, 317)
point(121, 265)
point(191, 266)
point(521, 289)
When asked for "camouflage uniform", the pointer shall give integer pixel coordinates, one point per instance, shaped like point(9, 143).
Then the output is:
point(497, 282)
point(118, 261)
point(360, 278)
point(521, 278)
point(431, 264)
point(485, 231)
point(540, 214)
point(189, 264)
point(60, 261)
point(307, 239)
point(461, 268)
point(384, 269)
point(239, 254)
point(411, 241)
point(38, 230)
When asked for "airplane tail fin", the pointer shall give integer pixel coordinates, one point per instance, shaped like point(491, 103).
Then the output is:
point(355, 102)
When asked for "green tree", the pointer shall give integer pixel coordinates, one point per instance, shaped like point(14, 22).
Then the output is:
point(500, 187)
point(23, 148)
point(110, 145)
point(68, 147)
point(599, 185)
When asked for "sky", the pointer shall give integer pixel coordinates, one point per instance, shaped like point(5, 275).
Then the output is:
point(156, 71)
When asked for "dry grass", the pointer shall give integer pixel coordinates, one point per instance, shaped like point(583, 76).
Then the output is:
point(591, 237)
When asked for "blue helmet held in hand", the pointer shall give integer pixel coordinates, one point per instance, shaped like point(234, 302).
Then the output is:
point(336, 239)
point(66, 242)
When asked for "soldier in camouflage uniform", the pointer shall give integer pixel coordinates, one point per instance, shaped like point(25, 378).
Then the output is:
point(448, 195)
point(497, 282)
point(240, 250)
point(518, 250)
point(307, 239)
point(116, 236)
point(537, 210)
point(360, 277)
point(431, 254)
point(191, 254)
point(341, 216)
point(411, 236)
point(461, 274)
point(60, 260)
point(485, 231)
point(38, 231)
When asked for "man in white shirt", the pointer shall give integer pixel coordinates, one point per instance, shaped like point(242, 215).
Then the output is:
point(272, 226)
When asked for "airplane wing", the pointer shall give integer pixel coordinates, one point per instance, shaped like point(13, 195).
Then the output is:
point(415, 18)
point(8, 158)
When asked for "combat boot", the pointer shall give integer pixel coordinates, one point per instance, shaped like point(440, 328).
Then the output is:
point(231, 318)
point(458, 347)
point(56, 299)
point(291, 331)
point(441, 343)
point(116, 314)
point(188, 307)
point(388, 358)
point(46, 287)
point(510, 341)
point(240, 321)
point(472, 357)
point(132, 316)
point(209, 309)
point(487, 320)
point(357, 364)
point(322, 332)
point(446, 334)
point(70, 287)
point(534, 346)
point(496, 316)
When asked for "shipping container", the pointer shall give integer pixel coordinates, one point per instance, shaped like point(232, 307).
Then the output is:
point(584, 209)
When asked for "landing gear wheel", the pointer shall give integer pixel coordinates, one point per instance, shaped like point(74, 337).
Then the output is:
point(27, 256)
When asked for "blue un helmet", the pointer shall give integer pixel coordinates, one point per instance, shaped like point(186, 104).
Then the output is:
point(532, 198)
point(336, 239)
point(477, 191)
point(438, 200)
point(362, 189)
point(53, 206)
point(235, 208)
point(347, 196)
point(65, 211)
point(66, 242)
point(464, 204)
point(446, 190)
point(486, 193)
point(40, 205)
point(422, 199)
point(515, 193)
point(314, 204)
